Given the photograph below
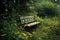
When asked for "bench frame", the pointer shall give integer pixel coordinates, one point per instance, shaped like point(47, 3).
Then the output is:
point(29, 23)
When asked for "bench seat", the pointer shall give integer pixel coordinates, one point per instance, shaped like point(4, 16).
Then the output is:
point(32, 24)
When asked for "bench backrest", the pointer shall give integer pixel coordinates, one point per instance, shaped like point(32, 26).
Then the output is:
point(27, 19)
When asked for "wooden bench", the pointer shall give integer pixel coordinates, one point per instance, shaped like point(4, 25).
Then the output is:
point(28, 23)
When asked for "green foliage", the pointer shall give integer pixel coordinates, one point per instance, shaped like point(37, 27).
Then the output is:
point(48, 9)
point(47, 29)
point(10, 30)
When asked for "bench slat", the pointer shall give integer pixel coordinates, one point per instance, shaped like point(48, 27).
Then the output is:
point(32, 24)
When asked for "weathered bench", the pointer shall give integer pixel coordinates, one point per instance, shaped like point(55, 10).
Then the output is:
point(28, 22)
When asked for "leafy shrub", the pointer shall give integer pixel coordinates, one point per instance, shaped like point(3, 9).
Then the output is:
point(11, 31)
point(47, 29)
point(46, 9)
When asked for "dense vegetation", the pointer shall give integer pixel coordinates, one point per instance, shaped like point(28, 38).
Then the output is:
point(46, 12)
point(47, 9)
